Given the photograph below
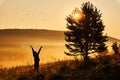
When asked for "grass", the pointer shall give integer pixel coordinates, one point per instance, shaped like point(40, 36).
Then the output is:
point(106, 68)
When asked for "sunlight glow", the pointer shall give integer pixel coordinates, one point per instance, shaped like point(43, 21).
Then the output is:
point(77, 15)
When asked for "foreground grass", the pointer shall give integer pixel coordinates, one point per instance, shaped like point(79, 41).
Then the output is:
point(106, 68)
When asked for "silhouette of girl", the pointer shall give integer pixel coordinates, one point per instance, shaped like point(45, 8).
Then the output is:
point(36, 58)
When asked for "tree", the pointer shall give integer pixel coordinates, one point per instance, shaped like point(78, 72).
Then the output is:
point(85, 32)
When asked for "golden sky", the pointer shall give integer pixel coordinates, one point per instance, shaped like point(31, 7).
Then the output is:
point(51, 14)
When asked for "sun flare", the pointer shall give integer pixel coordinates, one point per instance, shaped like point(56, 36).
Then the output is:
point(77, 15)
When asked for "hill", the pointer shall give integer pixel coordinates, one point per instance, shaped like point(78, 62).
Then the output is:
point(52, 35)
point(8, 34)
point(104, 68)
point(15, 50)
point(15, 43)
point(32, 33)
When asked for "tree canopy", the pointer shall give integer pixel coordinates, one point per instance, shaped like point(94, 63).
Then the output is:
point(85, 31)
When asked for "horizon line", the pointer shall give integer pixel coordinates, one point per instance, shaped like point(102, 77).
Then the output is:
point(30, 29)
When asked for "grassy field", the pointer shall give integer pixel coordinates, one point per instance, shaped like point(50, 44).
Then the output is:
point(104, 68)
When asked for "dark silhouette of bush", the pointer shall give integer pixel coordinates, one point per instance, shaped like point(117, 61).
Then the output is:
point(115, 48)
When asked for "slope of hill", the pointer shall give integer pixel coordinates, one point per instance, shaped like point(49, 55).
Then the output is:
point(31, 34)
point(105, 68)
point(38, 33)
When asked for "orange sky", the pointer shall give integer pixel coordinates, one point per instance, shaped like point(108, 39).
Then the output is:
point(51, 14)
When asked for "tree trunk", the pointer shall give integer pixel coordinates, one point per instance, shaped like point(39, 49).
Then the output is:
point(86, 52)
point(86, 57)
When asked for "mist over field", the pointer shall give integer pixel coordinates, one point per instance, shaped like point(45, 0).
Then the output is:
point(15, 50)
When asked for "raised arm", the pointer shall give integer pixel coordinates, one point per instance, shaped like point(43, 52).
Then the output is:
point(32, 48)
point(40, 50)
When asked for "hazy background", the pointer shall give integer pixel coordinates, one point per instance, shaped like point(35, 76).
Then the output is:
point(15, 50)
point(45, 14)
point(51, 14)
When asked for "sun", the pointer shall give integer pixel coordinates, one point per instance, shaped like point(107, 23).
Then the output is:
point(77, 15)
